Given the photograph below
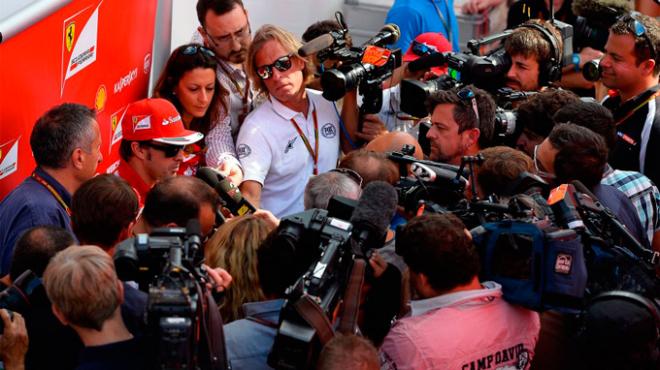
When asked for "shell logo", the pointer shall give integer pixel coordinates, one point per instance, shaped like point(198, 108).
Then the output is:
point(101, 98)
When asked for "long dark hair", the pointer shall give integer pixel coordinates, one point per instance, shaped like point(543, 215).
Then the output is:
point(181, 62)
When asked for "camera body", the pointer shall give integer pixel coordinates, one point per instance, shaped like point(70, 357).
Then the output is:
point(326, 242)
point(167, 264)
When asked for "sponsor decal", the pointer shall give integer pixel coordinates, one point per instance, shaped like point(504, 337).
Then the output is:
point(113, 168)
point(141, 123)
point(125, 81)
point(146, 65)
point(328, 131)
point(289, 145)
point(101, 98)
point(243, 150)
point(83, 49)
point(8, 162)
point(171, 119)
point(115, 127)
point(69, 35)
point(563, 263)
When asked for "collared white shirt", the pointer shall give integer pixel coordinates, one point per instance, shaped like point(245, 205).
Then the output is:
point(273, 154)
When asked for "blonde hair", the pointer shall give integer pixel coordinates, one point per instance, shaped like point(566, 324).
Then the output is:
point(81, 283)
point(234, 247)
point(287, 40)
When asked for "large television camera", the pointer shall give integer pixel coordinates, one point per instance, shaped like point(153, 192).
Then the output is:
point(365, 67)
point(183, 321)
point(330, 265)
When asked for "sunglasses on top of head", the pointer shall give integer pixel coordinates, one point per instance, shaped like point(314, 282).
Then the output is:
point(282, 64)
point(170, 151)
point(194, 49)
point(639, 30)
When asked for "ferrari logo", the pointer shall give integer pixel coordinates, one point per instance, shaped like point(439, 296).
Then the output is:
point(69, 35)
point(114, 121)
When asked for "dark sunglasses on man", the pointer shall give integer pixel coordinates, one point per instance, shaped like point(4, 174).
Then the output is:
point(170, 151)
point(282, 64)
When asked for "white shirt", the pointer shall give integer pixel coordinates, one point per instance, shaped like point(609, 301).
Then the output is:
point(273, 154)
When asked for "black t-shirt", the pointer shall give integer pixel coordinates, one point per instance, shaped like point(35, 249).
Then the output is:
point(625, 155)
point(130, 354)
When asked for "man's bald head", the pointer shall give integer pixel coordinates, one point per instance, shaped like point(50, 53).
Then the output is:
point(393, 142)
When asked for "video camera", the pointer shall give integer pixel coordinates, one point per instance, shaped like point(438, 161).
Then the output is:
point(182, 317)
point(323, 243)
point(365, 67)
point(16, 298)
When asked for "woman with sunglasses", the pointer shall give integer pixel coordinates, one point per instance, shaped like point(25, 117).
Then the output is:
point(295, 133)
point(189, 82)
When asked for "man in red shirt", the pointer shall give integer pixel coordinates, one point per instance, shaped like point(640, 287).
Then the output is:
point(152, 144)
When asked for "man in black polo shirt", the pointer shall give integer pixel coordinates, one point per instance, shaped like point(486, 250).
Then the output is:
point(630, 67)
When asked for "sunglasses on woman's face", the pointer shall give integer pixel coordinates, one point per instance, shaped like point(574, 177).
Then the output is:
point(282, 64)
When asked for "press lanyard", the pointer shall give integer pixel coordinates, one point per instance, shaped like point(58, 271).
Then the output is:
point(245, 94)
point(52, 190)
point(313, 152)
point(631, 112)
point(442, 19)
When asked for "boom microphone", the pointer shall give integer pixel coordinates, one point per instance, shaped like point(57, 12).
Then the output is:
point(373, 214)
point(317, 44)
point(229, 193)
point(389, 34)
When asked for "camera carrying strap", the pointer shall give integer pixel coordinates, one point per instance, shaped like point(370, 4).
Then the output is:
point(215, 336)
point(309, 310)
point(348, 321)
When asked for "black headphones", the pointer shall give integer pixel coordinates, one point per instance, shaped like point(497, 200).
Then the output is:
point(634, 298)
point(550, 71)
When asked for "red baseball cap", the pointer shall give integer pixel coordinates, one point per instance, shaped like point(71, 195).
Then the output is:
point(156, 120)
point(431, 41)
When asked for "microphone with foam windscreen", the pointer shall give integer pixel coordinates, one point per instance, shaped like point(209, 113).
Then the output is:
point(229, 193)
point(389, 34)
point(316, 44)
point(373, 214)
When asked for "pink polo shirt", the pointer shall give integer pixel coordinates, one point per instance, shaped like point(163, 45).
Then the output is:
point(467, 330)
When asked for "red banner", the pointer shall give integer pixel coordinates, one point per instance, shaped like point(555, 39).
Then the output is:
point(93, 52)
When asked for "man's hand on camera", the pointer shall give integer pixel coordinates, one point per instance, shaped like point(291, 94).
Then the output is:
point(13, 341)
point(220, 278)
point(372, 127)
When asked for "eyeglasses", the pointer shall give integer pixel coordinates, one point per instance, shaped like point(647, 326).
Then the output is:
point(468, 95)
point(638, 28)
point(421, 49)
point(282, 64)
point(350, 173)
point(170, 151)
point(194, 49)
point(226, 39)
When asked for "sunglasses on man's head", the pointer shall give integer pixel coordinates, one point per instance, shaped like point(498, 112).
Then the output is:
point(468, 95)
point(639, 30)
point(421, 49)
point(350, 173)
point(282, 64)
point(170, 151)
point(194, 49)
